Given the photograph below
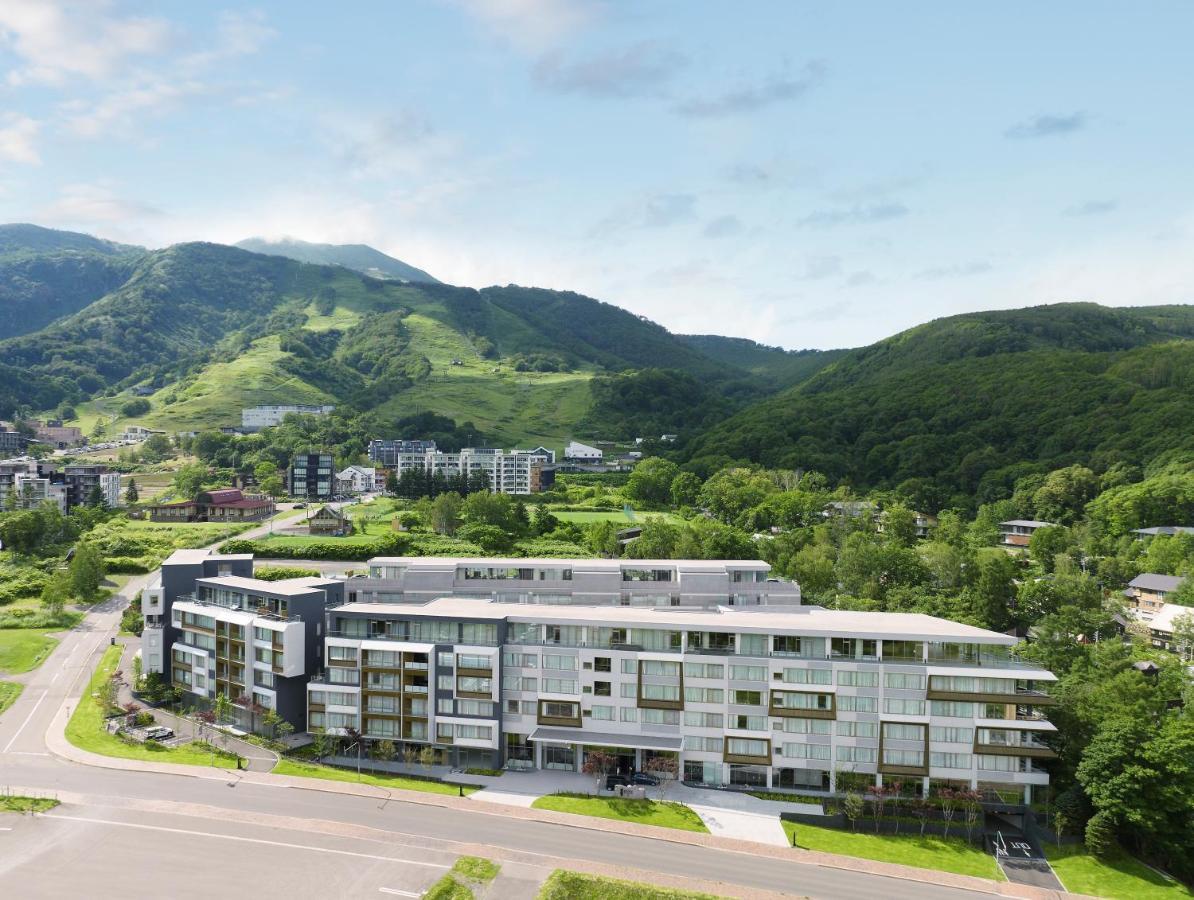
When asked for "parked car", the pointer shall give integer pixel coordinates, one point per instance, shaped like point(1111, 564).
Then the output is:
point(613, 781)
point(644, 778)
point(300, 506)
point(159, 733)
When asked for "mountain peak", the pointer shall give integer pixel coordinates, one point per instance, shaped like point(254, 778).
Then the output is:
point(22, 236)
point(360, 257)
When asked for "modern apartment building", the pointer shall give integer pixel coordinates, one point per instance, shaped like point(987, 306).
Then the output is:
point(69, 487)
point(585, 582)
point(81, 480)
point(257, 417)
point(509, 471)
point(211, 628)
point(23, 486)
point(1018, 532)
point(312, 476)
point(740, 696)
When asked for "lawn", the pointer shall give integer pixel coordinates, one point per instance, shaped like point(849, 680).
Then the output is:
point(23, 649)
point(586, 517)
point(86, 730)
point(17, 804)
point(397, 782)
point(565, 885)
point(1119, 878)
point(943, 854)
point(467, 873)
point(9, 691)
point(644, 812)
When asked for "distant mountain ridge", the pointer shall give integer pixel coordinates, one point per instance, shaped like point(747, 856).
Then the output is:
point(359, 257)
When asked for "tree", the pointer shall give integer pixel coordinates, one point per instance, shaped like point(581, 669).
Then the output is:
point(1047, 543)
point(264, 469)
point(853, 806)
point(731, 492)
point(922, 810)
point(994, 590)
point(392, 481)
point(651, 481)
point(597, 764)
point(428, 757)
point(132, 408)
point(1100, 835)
point(949, 806)
point(665, 768)
point(1064, 494)
point(444, 513)
point(156, 448)
point(272, 486)
point(55, 592)
point(95, 497)
point(86, 571)
point(685, 488)
point(899, 525)
point(384, 751)
point(222, 708)
point(544, 521)
point(489, 538)
point(131, 495)
point(190, 480)
point(879, 796)
point(972, 808)
point(490, 509)
point(321, 743)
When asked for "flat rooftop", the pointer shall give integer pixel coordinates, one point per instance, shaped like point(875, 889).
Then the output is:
point(803, 620)
point(523, 562)
point(287, 587)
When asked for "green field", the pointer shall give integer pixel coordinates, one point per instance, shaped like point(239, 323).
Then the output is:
point(23, 649)
point(587, 517)
point(1119, 878)
point(943, 854)
point(86, 730)
point(9, 691)
point(644, 812)
point(398, 782)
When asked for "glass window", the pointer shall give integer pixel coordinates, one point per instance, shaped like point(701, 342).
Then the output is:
point(951, 709)
point(858, 679)
point(903, 650)
point(846, 703)
point(748, 673)
point(945, 735)
point(554, 661)
point(904, 681)
point(801, 726)
point(704, 720)
point(670, 692)
point(660, 716)
point(857, 754)
point(811, 676)
point(659, 667)
point(902, 731)
point(747, 698)
point(628, 714)
point(560, 686)
point(747, 747)
point(603, 713)
point(752, 644)
point(704, 670)
point(847, 728)
point(950, 760)
point(704, 695)
point(897, 706)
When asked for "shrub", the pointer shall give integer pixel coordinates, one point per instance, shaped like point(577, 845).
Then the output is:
point(280, 573)
point(1100, 835)
point(126, 565)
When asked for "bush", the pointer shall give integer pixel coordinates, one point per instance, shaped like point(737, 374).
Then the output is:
point(126, 565)
point(280, 573)
point(135, 408)
point(131, 619)
point(1100, 835)
point(391, 545)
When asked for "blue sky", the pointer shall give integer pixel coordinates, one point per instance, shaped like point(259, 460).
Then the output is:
point(807, 174)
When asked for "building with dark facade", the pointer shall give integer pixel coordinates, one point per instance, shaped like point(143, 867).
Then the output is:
point(312, 476)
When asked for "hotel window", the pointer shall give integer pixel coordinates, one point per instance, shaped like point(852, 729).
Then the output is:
point(602, 664)
point(704, 720)
point(949, 760)
point(747, 747)
point(601, 689)
point(998, 763)
point(900, 731)
point(846, 703)
point(811, 676)
point(262, 634)
point(473, 661)
point(552, 661)
point(858, 679)
point(748, 673)
point(747, 698)
point(752, 645)
point(896, 706)
point(518, 683)
point(857, 754)
point(471, 684)
point(520, 660)
point(559, 686)
point(903, 650)
point(669, 692)
point(603, 713)
point(646, 574)
point(629, 666)
point(801, 726)
point(660, 717)
point(698, 744)
point(943, 735)
point(904, 681)
point(558, 709)
point(478, 633)
point(659, 667)
point(704, 695)
point(559, 758)
point(447, 660)
point(791, 700)
point(847, 728)
point(348, 654)
point(445, 682)
point(704, 670)
point(347, 676)
point(474, 708)
point(903, 757)
point(805, 751)
point(629, 690)
point(656, 639)
point(512, 707)
point(951, 709)
point(628, 714)
point(748, 723)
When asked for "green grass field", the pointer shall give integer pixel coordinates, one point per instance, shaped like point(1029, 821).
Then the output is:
point(397, 782)
point(9, 691)
point(644, 812)
point(86, 730)
point(24, 649)
point(1119, 878)
point(943, 854)
point(565, 885)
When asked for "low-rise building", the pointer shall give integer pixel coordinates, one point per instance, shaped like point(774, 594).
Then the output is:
point(211, 628)
point(1149, 592)
point(357, 480)
point(1143, 534)
point(254, 418)
point(582, 452)
point(329, 520)
point(52, 432)
point(224, 505)
point(508, 471)
point(1164, 622)
point(753, 698)
point(1018, 532)
point(13, 442)
point(139, 433)
point(82, 480)
point(586, 582)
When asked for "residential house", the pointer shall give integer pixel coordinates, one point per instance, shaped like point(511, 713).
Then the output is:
point(357, 480)
point(1018, 532)
point(1163, 624)
point(582, 452)
point(329, 520)
point(1148, 593)
point(257, 417)
point(138, 433)
point(1162, 531)
point(224, 505)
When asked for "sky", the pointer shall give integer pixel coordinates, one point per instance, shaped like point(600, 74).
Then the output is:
point(800, 172)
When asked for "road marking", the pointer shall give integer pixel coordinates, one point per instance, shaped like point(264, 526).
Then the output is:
point(28, 718)
point(55, 678)
point(246, 840)
point(386, 890)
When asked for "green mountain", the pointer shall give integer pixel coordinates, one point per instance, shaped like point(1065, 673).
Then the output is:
point(787, 367)
point(360, 257)
point(207, 329)
point(971, 402)
point(47, 274)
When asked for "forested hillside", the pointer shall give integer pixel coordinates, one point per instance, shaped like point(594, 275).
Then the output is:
point(970, 403)
point(360, 257)
point(784, 367)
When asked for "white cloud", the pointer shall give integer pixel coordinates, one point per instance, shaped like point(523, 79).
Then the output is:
point(17, 139)
point(121, 108)
point(57, 39)
point(532, 25)
point(100, 203)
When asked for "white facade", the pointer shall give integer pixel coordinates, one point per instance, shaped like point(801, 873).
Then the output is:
point(582, 452)
point(509, 471)
point(256, 417)
point(357, 480)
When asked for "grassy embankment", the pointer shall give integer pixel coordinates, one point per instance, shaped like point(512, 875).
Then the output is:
point(644, 812)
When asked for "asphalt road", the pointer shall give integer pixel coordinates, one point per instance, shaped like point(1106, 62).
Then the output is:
point(131, 834)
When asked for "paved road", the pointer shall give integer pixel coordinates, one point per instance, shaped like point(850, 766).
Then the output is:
point(284, 841)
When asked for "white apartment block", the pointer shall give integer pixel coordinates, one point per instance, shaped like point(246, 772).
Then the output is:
point(586, 582)
point(258, 417)
point(509, 471)
point(735, 696)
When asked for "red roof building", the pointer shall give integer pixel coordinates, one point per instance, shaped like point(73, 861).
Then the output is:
point(222, 505)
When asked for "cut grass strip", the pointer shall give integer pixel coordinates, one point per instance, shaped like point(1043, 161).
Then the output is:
point(565, 885)
point(15, 804)
point(943, 854)
point(467, 873)
point(24, 649)
point(1120, 877)
point(397, 782)
point(9, 691)
point(86, 730)
point(644, 812)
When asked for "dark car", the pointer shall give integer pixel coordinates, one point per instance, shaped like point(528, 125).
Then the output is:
point(613, 781)
point(643, 778)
